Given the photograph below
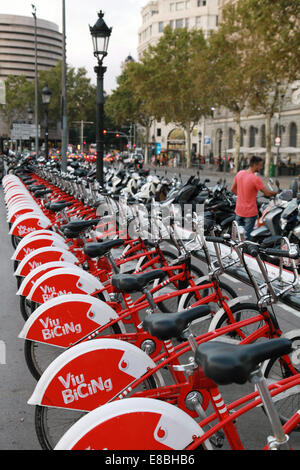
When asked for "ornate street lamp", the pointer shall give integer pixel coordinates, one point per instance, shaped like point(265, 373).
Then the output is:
point(46, 98)
point(100, 33)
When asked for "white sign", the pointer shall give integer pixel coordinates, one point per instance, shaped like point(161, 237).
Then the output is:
point(277, 141)
point(23, 131)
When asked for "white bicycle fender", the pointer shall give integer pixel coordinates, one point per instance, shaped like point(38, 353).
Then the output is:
point(154, 421)
point(29, 223)
point(89, 374)
point(221, 311)
point(65, 281)
point(35, 243)
point(64, 320)
point(43, 255)
point(31, 278)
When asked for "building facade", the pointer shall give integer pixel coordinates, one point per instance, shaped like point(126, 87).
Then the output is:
point(213, 137)
point(17, 45)
point(17, 48)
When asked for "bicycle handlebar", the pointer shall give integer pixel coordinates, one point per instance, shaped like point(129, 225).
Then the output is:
point(281, 253)
point(254, 250)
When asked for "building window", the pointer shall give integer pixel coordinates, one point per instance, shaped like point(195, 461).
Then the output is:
point(160, 26)
point(263, 136)
point(252, 136)
point(171, 24)
point(293, 135)
point(201, 3)
point(230, 138)
point(180, 6)
point(179, 23)
point(158, 132)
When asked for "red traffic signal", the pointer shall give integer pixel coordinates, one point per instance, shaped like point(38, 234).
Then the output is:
point(117, 135)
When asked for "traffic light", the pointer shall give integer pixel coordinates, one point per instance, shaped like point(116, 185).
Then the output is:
point(117, 135)
point(104, 131)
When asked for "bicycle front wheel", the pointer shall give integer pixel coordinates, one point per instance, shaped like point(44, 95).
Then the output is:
point(240, 312)
point(277, 369)
point(201, 325)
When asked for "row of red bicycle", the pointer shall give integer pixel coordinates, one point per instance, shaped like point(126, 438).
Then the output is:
point(129, 340)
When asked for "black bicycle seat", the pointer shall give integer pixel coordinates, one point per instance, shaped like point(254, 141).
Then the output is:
point(226, 363)
point(136, 282)
point(95, 250)
point(171, 325)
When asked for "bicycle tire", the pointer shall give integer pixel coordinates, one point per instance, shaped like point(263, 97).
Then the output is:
point(38, 362)
point(15, 240)
point(62, 421)
point(26, 307)
point(201, 326)
point(240, 312)
point(169, 306)
point(277, 369)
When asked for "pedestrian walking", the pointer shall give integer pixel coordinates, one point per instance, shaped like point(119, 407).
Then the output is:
point(246, 185)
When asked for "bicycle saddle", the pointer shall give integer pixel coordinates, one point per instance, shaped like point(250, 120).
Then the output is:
point(34, 187)
point(59, 206)
point(171, 325)
point(94, 250)
point(42, 192)
point(226, 363)
point(79, 225)
point(135, 282)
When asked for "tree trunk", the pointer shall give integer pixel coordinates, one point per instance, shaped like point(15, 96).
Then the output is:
point(268, 158)
point(237, 140)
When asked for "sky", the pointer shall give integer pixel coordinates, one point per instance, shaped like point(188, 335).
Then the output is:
point(124, 16)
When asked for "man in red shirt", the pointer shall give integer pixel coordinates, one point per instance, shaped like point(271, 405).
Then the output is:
point(246, 185)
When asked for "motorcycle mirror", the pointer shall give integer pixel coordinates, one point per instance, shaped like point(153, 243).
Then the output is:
point(277, 183)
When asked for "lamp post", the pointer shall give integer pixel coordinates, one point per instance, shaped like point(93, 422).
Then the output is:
point(46, 97)
point(36, 106)
point(30, 118)
point(100, 35)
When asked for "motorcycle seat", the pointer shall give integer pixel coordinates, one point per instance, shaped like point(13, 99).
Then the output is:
point(271, 242)
point(95, 250)
point(136, 282)
point(172, 325)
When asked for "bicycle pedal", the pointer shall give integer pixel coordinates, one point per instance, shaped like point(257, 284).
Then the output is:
point(217, 440)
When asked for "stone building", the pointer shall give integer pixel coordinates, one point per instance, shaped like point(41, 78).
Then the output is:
point(213, 137)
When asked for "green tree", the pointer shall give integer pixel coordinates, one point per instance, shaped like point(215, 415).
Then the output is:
point(170, 83)
point(272, 30)
point(130, 101)
point(19, 96)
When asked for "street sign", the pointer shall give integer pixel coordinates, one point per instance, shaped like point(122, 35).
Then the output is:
point(277, 141)
point(206, 140)
point(23, 131)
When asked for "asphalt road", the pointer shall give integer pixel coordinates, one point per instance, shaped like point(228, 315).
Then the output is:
point(17, 430)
